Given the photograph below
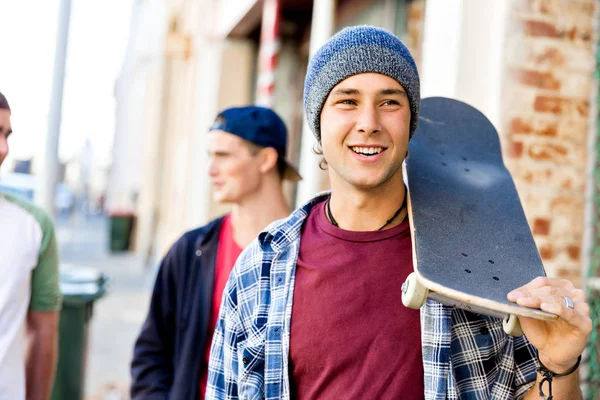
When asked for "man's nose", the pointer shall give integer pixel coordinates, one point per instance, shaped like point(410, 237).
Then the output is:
point(368, 122)
point(212, 169)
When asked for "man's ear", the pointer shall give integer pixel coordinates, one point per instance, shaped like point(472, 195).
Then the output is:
point(268, 160)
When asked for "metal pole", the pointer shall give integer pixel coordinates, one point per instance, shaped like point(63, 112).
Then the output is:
point(323, 20)
point(48, 175)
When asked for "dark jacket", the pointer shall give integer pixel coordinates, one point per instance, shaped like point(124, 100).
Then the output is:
point(169, 351)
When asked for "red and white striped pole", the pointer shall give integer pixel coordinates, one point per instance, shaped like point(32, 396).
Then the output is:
point(268, 53)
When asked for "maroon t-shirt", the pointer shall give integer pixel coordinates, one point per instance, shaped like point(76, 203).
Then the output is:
point(351, 337)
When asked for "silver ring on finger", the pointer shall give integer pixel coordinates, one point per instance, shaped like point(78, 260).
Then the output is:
point(569, 303)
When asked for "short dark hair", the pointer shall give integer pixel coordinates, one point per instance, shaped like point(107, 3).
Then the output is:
point(255, 149)
point(4, 103)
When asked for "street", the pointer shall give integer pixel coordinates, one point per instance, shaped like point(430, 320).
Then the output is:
point(117, 317)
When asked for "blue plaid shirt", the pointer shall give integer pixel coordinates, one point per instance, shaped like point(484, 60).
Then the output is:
point(465, 355)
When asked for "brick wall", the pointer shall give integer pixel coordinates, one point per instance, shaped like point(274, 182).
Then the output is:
point(549, 59)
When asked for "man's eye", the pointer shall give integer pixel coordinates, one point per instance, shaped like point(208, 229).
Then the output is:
point(349, 102)
point(391, 103)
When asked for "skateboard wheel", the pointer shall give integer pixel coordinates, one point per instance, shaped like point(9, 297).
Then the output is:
point(414, 293)
point(512, 326)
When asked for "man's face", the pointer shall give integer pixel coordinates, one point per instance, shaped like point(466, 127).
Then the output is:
point(234, 167)
point(365, 126)
point(5, 131)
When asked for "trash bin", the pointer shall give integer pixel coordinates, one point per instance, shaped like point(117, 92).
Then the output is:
point(81, 287)
point(121, 225)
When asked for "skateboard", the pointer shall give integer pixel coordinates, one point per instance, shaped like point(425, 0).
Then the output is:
point(471, 242)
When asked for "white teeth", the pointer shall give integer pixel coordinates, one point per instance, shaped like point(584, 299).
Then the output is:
point(367, 150)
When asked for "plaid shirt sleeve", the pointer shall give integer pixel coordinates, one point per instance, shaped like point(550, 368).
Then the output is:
point(488, 363)
point(525, 366)
point(223, 365)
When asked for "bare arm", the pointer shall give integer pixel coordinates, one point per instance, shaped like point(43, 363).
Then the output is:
point(560, 342)
point(566, 387)
point(42, 350)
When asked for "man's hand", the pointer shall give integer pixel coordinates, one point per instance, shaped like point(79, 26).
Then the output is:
point(42, 345)
point(561, 341)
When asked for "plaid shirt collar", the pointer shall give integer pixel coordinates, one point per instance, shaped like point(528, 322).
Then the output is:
point(465, 356)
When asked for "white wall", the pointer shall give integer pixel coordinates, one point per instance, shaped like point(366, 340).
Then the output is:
point(142, 63)
point(462, 52)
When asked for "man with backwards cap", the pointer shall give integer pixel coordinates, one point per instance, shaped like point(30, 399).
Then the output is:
point(313, 310)
point(247, 148)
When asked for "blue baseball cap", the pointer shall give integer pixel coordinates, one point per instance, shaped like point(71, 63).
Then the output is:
point(261, 126)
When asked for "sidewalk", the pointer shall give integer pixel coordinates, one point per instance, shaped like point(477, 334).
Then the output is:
point(118, 316)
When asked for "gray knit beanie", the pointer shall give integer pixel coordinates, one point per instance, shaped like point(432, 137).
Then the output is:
point(356, 50)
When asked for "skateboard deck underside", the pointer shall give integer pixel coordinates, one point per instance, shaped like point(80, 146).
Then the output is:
point(471, 240)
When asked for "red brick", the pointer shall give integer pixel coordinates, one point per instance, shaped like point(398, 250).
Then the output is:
point(541, 226)
point(574, 252)
point(561, 105)
point(548, 104)
point(541, 29)
point(518, 125)
point(579, 33)
point(572, 32)
point(542, 80)
point(547, 252)
point(514, 149)
point(548, 152)
point(543, 128)
point(548, 131)
point(584, 108)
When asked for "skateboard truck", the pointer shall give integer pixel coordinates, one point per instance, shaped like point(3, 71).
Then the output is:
point(415, 294)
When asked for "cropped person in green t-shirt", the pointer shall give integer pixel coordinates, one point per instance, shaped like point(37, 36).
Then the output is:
point(30, 297)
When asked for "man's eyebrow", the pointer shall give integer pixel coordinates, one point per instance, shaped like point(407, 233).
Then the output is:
point(219, 152)
point(344, 91)
point(392, 92)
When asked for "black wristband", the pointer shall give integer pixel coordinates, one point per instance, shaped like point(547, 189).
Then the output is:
point(549, 375)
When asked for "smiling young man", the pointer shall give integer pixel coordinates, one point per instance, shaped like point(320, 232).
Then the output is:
point(30, 297)
point(247, 147)
point(313, 308)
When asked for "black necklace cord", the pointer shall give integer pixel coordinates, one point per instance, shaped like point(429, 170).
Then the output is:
point(389, 221)
point(549, 375)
